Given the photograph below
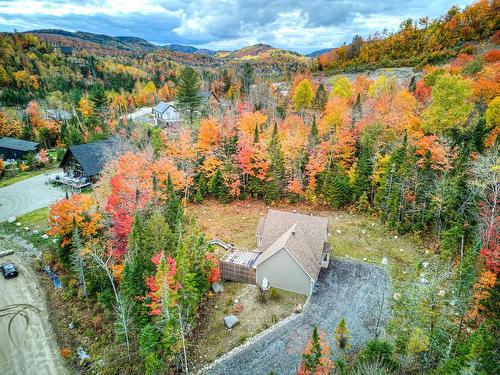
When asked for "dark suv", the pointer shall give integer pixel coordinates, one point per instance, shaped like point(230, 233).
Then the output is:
point(9, 270)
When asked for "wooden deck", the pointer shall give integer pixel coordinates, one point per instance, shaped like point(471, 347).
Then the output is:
point(62, 179)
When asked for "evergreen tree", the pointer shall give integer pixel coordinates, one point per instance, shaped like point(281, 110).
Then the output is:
point(342, 335)
point(217, 188)
point(314, 135)
point(188, 97)
point(97, 96)
point(256, 135)
point(320, 98)
point(336, 187)
point(247, 77)
point(413, 84)
point(357, 110)
point(173, 210)
point(364, 171)
point(312, 360)
point(277, 165)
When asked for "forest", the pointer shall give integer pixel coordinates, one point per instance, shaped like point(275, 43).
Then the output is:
point(421, 155)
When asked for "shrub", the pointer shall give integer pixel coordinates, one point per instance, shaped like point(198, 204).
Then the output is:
point(492, 56)
point(379, 351)
point(274, 294)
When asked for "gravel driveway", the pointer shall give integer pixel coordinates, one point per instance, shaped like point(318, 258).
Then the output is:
point(26, 196)
point(348, 289)
point(27, 343)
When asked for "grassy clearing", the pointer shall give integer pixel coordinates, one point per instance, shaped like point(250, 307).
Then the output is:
point(6, 181)
point(36, 220)
point(212, 339)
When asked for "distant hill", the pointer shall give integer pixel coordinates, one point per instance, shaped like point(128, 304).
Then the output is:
point(126, 43)
point(319, 52)
point(189, 49)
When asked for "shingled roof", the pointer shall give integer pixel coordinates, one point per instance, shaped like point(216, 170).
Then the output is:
point(302, 235)
point(17, 144)
point(163, 106)
point(92, 157)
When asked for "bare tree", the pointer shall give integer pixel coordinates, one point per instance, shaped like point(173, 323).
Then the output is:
point(105, 261)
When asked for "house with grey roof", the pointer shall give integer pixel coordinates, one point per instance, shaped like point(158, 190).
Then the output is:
point(291, 250)
point(166, 113)
point(15, 149)
point(86, 161)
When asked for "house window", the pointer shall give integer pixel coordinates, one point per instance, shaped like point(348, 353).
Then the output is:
point(325, 258)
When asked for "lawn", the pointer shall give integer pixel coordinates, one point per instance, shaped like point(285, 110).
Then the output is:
point(37, 220)
point(212, 339)
point(6, 181)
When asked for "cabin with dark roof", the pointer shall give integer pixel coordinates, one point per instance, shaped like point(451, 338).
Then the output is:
point(16, 149)
point(88, 160)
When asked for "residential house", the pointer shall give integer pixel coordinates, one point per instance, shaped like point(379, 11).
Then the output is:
point(166, 113)
point(291, 250)
point(86, 161)
point(16, 149)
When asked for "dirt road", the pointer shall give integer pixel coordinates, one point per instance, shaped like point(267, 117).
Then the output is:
point(27, 343)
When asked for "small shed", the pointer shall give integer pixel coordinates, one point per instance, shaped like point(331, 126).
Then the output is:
point(166, 112)
point(16, 149)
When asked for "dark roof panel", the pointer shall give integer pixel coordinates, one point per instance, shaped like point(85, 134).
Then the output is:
point(92, 157)
point(17, 144)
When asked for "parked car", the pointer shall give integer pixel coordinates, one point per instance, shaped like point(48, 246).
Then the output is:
point(9, 270)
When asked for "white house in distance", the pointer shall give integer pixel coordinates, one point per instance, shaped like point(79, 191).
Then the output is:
point(291, 250)
point(166, 113)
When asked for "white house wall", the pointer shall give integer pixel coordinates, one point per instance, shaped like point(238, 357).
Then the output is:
point(285, 273)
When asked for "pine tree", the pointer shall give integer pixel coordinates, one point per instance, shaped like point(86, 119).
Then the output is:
point(336, 187)
point(217, 188)
point(97, 96)
point(313, 135)
point(312, 360)
point(188, 97)
point(277, 165)
point(173, 210)
point(357, 110)
point(247, 77)
point(320, 98)
point(364, 171)
point(342, 335)
point(256, 135)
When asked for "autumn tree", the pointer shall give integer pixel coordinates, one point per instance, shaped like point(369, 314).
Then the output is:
point(450, 105)
point(341, 87)
point(303, 96)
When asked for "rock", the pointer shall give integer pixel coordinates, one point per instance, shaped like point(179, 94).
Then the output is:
point(11, 219)
point(373, 224)
point(365, 259)
point(385, 261)
point(442, 293)
point(35, 231)
point(425, 264)
point(401, 250)
point(297, 309)
point(329, 234)
point(54, 240)
point(423, 280)
point(26, 228)
point(395, 237)
point(396, 296)
point(45, 236)
point(363, 231)
point(230, 321)
point(338, 231)
point(426, 252)
point(18, 224)
point(71, 325)
point(217, 288)
point(236, 301)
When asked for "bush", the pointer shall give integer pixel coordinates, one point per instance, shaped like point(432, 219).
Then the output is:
point(274, 294)
point(379, 351)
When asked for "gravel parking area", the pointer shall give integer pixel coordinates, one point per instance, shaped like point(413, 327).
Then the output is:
point(26, 196)
point(349, 289)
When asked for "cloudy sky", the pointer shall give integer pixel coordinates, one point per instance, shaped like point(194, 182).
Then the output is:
point(300, 25)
